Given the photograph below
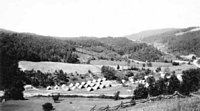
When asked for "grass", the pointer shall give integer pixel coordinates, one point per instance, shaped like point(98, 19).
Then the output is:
point(66, 67)
point(85, 104)
point(66, 104)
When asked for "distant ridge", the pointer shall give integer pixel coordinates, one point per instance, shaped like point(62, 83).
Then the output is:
point(143, 34)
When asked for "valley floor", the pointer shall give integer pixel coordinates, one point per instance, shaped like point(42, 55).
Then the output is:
point(85, 104)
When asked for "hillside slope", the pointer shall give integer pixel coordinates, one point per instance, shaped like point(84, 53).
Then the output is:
point(33, 47)
point(144, 34)
point(176, 41)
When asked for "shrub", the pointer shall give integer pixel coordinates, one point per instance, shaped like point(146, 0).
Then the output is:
point(47, 107)
point(141, 92)
point(129, 74)
point(175, 63)
point(118, 67)
point(158, 69)
point(134, 68)
point(108, 72)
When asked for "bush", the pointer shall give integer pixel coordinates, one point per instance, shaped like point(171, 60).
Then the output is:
point(158, 69)
point(133, 68)
point(108, 72)
point(141, 92)
point(47, 107)
point(118, 67)
point(175, 63)
point(129, 74)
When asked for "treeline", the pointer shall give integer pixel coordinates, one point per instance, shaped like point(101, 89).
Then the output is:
point(29, 47)
point(169, 84)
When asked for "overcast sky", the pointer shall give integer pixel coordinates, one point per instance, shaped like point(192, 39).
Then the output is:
point(70, 18)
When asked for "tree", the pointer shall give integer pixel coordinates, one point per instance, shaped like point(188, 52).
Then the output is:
point(118, 67)
point(161, 86)
point(108, 72)
point(141, 92)
point(174, 84)
point(191, 80)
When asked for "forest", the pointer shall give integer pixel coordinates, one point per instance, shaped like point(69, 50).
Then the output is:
point(179, 41)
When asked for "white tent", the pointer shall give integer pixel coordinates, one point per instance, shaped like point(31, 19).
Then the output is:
point(67, 89)
point(102, 86)
point(77, 84)
point(108, 85)
point(56, 87)
point(71, 85)
point(99, 80)
point(96, 87)
point(87, 85)
point(88, 82)
point(123, 81)
point(92, 84)
point(94, 80)
point(90, 89)
point(29, 87)
point(104, 79)
point(81, 86)
point(73, 88)
point(49, 88)
point(63, 86)
point(83, 83)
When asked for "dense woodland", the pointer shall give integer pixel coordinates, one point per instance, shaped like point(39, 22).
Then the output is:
point(32, 47)
point(185, 43)
point(35, 48)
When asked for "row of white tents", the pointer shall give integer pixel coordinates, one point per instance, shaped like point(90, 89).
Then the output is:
point(90, 85)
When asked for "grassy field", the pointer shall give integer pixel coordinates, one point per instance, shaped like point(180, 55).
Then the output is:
point(85, 104)
point(66, 104)
point(52, 66)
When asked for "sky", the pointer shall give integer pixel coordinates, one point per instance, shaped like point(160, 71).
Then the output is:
point(99, 18)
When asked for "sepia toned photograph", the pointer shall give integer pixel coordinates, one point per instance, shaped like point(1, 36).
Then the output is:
point(99, 55)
